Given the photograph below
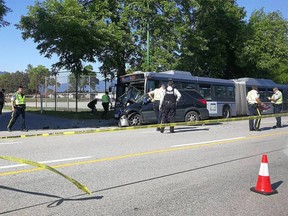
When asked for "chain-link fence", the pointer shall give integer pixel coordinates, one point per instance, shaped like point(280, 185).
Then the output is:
point(59, 93)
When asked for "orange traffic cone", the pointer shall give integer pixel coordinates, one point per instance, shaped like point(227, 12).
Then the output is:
point(263, 185)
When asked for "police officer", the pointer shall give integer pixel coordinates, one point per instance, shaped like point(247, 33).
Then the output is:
point(105, 104)
point(18, 105)
point(254, 103)
point(155, 97)
point(277, 101)
point(168, 105)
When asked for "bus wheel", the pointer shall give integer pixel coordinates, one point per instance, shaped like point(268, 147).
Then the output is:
point(192, 116)
point(135, 120)
point(226, 112)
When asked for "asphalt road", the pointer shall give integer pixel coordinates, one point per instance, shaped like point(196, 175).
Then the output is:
point(199, 170)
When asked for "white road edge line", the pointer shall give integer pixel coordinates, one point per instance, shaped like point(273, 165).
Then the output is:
point(175, 146)
point(46, 162)
point(9, 143)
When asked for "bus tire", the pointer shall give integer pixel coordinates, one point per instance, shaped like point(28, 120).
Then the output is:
point(226, 113)
point(192, 116)
point(135, 120)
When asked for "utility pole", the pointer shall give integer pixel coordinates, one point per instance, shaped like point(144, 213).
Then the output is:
point(148, 39)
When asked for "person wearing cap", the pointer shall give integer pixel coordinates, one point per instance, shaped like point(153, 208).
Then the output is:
point(18, 106)
point(168, 104)
point(277, 101)
point(254, 104)
point(2, 100)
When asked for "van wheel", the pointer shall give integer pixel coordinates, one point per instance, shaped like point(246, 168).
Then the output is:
point(192, 116)
point(135, 120)
point(226, 112)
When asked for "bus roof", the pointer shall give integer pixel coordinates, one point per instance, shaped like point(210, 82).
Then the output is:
point(183, 75)
point(257, 82)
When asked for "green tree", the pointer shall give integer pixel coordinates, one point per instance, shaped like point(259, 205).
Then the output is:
point(37, 77)
point(265, 52)
point(67, 29)
point(213, 39)
point(3, 11)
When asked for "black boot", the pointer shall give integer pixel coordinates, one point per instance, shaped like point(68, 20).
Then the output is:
point(162, 129)
point(172, 130)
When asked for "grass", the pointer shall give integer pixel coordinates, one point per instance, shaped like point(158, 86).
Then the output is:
point(81, 115)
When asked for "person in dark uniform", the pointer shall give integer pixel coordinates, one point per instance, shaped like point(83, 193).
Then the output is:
point(92, 106)
point(168, 104)
point(18, 105)
point(2, 100)
point(254, 105)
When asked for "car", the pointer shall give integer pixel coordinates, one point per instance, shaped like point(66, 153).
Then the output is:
point(191, 107)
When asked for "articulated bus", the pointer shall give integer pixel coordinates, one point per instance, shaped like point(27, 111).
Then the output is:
point(225, 98)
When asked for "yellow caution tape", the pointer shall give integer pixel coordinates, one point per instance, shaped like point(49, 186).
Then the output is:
point(201, 122)
point(43, 166)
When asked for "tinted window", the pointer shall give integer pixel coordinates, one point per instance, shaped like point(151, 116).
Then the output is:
point(205, 91)
point(188, 86)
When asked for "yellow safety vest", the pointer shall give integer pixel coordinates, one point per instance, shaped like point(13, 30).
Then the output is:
point(280, 97)
point(105, 99)
point(20, 99)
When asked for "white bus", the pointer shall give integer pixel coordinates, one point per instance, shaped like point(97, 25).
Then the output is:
point(225, 98)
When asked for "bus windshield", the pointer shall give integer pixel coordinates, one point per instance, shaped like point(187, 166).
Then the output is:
point(130, 96)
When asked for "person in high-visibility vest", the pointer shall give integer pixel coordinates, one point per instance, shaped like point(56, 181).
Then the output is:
point(18, 106)
point(277, 101)
point(105, 103)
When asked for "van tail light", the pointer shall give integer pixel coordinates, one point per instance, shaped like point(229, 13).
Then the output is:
point(203, 101)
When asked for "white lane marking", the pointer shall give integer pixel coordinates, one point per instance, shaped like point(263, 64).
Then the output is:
point(9, 143)
point(207, 142)
point(45, 162)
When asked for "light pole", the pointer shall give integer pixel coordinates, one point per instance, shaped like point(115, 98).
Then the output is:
point(148, 39)
point(54, 73)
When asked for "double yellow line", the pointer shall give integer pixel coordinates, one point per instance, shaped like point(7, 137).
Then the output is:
point(208, 144)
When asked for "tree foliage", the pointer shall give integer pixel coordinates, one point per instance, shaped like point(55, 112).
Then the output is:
point(265, 52)
point(211, 43)
point(3, 11)
point(207, 37)
point(37, 76)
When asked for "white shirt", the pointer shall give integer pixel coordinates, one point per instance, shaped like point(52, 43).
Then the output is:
point(157, 93)
point(252, 96)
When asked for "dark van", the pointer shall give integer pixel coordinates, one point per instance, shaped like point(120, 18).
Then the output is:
point(191, 107)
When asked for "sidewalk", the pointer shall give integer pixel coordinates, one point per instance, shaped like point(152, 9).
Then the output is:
point(44, 123)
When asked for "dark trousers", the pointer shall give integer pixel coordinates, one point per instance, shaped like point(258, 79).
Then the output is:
point(277, 109)
point(106, 109)
point(15, 114)
point(93, 109)
point(158, 112)
point(169, 112)
point(254, 111)
point(1, 107)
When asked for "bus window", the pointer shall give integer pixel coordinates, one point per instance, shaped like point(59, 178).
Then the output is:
point(269, 94)
point(220, 92)
point(263, 96)
point(177, 85)
point(205, 91)
point(152, 84)
point(231, 92)
point(188, 86)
